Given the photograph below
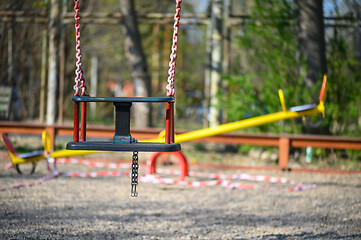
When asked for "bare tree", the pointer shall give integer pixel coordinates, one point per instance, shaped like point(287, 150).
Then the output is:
point(136, 56)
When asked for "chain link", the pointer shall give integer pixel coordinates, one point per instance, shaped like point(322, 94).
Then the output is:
point(134, 180)
point(173, 55)
point(79, 87)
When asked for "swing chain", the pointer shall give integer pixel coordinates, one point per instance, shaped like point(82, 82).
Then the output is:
point(173, 55)
point(134, 176)
point(79, 73)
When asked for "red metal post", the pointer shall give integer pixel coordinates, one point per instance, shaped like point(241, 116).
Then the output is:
point(76, 122)
point(172, 123)
point(168, 116)
point(83, 122)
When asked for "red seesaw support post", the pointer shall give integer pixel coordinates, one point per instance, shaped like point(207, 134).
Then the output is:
point(182, 160)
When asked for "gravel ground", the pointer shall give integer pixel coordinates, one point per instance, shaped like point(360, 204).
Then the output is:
point(101, 208)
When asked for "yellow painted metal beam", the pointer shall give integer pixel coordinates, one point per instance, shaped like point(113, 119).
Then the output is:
point(246, 123)
point(252, 122)
point(70, 153)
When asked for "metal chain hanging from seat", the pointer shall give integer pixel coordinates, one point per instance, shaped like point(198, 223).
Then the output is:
point(134, 176)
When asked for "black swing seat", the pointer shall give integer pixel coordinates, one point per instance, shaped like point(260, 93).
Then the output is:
point(124, 147)
point(122, 140)
point(122, 99)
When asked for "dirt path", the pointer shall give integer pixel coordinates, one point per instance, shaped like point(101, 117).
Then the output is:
point(101, 208)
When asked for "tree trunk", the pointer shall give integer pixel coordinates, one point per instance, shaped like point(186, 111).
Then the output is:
point(136, 56)
point(311, 40)
point(216, 62)
point(43, 76)
point(53, 62)
point(311, 47)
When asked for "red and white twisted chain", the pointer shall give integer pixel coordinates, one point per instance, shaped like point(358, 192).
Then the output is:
point(173, 55)
point(79, 87)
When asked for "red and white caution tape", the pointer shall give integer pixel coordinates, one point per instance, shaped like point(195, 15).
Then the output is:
point(10, 165)
point(160, 180)
point(218, 179)
point(96, 174)
point(36, 182)
point(216, 182)
point(242, 176)
point(93, 164)
point(223, 183)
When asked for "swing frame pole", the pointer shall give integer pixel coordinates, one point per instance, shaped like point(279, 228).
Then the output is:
point(76, 122)
point(169, 123)
point(172, 123)
point(83, 121)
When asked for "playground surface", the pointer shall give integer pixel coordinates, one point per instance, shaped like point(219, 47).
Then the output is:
point(101, 208)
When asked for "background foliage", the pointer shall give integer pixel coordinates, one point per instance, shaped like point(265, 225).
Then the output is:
point(268, 62)
point(264, 59)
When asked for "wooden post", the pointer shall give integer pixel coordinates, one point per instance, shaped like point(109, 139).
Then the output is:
point(43, 76)
point(180, 52)
point(10, 54)
point(167, 38)
point(53, 62)
point(227, 35)
point(284, 150)
point(207, 76)
point(61, 75)
point(51, 131)
point(216, 65)
point(155, 59)
point(93, 84)
point(10, 114)
point(62, 65)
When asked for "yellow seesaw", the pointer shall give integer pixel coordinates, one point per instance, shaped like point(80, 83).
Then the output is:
point(293, 112)
point(34, 157)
